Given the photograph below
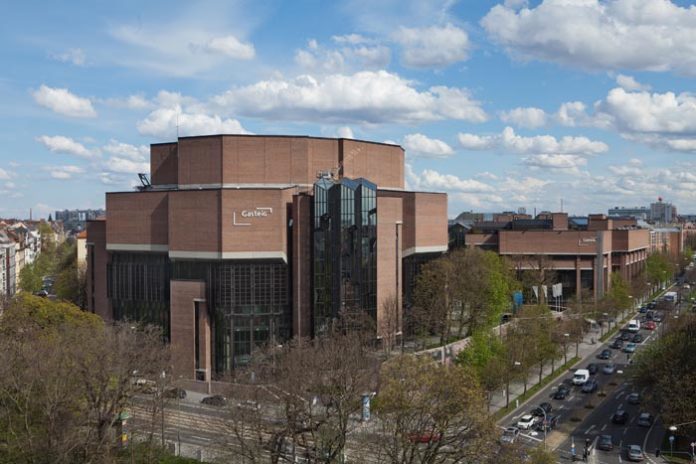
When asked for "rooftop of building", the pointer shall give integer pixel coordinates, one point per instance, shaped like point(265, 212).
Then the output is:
point(284, 136)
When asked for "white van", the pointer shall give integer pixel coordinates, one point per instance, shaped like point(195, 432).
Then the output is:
point(634, 325)
point(581, 376)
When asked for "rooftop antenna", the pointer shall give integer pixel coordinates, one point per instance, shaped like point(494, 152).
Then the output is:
point(145, 181)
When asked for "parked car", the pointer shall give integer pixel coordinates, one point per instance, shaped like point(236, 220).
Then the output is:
point(633, 398)
point(635, 453)
point(550, 423)
point(175, 392)
point(561, 393)
point(605, 354)
point(630, 348)
point(608, 368)
point(510, 435)
point(543, 407)
point(637, 338)
point(620, 417)
point(215, 400)
point(526, 422)
point(590, 386)
point(605, 443)
point(645, 419)
point(592, 368)
point(617, 344)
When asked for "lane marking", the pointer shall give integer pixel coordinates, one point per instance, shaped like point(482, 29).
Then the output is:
point(604, 427)
point(587, 432)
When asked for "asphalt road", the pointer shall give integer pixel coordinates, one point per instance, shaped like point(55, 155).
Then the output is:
point(586, 416)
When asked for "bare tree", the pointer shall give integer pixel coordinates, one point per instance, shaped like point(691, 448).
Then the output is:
point(389, 323)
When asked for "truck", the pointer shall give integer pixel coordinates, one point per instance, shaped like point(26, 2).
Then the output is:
point(670, 297)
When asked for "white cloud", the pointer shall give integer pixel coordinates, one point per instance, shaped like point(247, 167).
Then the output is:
point(420, 145)
point(352, 54)
point(649, 35)
point(352, 39)
point(162, 123)
point(364, 97)
point(432, 47)
point(75, 56)
point(132, 102)
point(10, 185)
point(529, 118)
point(4, 175)
point(63, 172)
point(630, 84)
point(62, 144)
point(556, 161)
point(345, 132)
point(540, 144)
point(63, 102)
point(126, 166)
point(232, 47)
point(433, 180)
point(125, 150)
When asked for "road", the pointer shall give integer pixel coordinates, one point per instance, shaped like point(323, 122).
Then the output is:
point(586, 416)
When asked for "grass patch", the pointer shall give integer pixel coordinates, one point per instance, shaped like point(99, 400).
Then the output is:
point(534, 389)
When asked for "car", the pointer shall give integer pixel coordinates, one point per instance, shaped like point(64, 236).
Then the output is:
point(645, 419)
point(608, 368)
point(215, 400)
point(649, 315)
point(175, 392)
point(652, 305)
point(510, 435)
point(526, 422)
point(625, 336)
point(635, 453)
point(605, 354)
point(650, 325)
point(617, 344)
point(550, 423)
point(561, 393)
point(657, 317)
point(590, 386)
point(249, 405)
point(542, 408)
point(629, 348)
point(581, 376)
point(605, 443)
point(643, 309)
point(637, 338)
point(425, 437)
point(592, 368)
point(633, 398)
point(620, 417)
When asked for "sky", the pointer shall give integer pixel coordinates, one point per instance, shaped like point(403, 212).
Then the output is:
point(502, 105)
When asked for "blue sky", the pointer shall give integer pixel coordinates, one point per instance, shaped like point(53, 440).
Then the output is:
point(500, 104)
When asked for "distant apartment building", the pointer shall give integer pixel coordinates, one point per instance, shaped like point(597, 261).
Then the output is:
point(663, 212)
point(669, 240)
point(8, 268)
point(637, 212)
point(76, 218)
point(581, 252)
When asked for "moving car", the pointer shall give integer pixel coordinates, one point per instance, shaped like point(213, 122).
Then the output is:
point(652, 305)
point(657, 317)
point(592, 368)
point(637, 338)
point(635, 453)
point(630, 348)
point(620, 417)
point(550, 423)
point(633, 398)
point(625, 336)
point(644, 309)
point(510, 435)
point(526, 422)
point(617, 344)
point(605, 354)
point(581, 376)
point(215, 400)
point(634, 325)
point(608, 368)
point(543, 407)
point(561, 393)
point(605, 443)
point(650, 325)
point(645, 419)
point(590, 386)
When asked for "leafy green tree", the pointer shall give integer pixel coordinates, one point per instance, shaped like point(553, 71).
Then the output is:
point(658, 268)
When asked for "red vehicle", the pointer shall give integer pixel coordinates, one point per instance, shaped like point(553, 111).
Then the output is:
point(650, 325)
point(424, 437)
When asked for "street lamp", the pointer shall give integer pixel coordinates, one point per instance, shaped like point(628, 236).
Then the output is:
point(566, 336)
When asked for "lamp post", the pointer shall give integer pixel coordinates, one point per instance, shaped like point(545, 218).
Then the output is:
point(566, 337)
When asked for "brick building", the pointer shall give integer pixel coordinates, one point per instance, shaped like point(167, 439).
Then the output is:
point(242, 240)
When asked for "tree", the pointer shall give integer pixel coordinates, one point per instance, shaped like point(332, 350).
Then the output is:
point(65, 377)
point(433, 298)
point(429, 413)
point(389, 323)
point(658, 268)
point(485, 356)
point(535, 271)
point(667, 368)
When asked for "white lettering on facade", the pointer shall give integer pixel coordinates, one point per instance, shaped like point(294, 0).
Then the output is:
point(251, 213)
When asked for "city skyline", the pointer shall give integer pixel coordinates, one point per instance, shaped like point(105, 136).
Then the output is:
point(495, 103)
